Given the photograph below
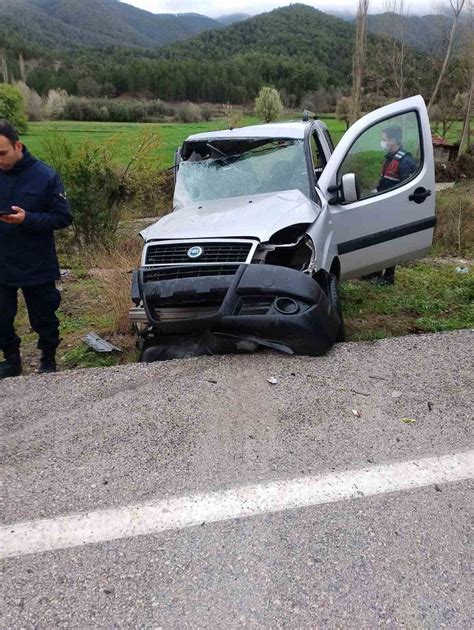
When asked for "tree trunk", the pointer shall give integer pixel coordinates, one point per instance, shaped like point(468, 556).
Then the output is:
point(358, 60)
point(457, 12)
point(465, 142)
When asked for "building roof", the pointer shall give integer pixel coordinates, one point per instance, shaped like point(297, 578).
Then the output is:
point(438, 141)
point(292, 130)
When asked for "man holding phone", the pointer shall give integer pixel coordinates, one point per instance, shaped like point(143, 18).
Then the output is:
point(32, 205)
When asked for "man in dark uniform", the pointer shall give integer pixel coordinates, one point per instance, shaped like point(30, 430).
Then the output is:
point(398, 166)
point(32, 205)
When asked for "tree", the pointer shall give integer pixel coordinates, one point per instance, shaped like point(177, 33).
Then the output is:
point(343, 109)
point(55, 103)
point(32, 100)
point(396, 43)
point(468, 62)
point(358, 59)
point(456, 7)
point(268, 105)
point(12, 107)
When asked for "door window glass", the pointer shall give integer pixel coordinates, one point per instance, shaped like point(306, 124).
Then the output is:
point(386, 155)
point(318, 163)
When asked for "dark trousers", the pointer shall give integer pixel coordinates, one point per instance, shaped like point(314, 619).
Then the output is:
point(42, 302)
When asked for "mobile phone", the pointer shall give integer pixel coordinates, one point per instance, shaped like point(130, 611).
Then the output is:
point(6, 211)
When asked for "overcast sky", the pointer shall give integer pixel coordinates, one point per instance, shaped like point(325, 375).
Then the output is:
point(216, 8)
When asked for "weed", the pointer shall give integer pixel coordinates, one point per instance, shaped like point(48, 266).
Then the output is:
point(425, 298)
point(84, 357)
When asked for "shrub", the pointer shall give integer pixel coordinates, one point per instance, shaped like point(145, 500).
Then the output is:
point(92, 185)
point(233, 116)
point(343, 109)
point(32, 100)
point(455, 219)
point(55, 103)
point(189, 113)
point(12, 107)
point(268, 105)
point(115, 110)
point(206, 112)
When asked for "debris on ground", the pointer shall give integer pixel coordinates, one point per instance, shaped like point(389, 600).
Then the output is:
point(272, 381)
point(462, 269)
point(356, 413)
point(98, 344)
point(408, 420)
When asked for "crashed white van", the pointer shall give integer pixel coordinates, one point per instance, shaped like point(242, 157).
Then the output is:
point(268, 219)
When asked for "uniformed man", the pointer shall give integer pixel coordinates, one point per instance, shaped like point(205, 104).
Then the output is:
point(398, 166)
point(32, 205)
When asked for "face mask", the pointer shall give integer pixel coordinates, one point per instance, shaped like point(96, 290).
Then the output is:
point(384, 145)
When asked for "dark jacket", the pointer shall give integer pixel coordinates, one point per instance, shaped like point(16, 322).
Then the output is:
point(396, 168)
point(27, 251)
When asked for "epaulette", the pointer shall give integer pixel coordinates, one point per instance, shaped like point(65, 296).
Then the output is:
point(400, 154)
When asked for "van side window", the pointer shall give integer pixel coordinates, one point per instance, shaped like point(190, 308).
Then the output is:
point(318, 161)
point(386, 155)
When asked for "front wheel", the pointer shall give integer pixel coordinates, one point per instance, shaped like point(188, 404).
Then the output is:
point(329, 284)
point(335, 300)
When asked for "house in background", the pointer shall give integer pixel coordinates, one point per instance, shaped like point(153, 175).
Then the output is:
point(444, 151)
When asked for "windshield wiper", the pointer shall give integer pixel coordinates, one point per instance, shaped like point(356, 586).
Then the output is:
point(211, 146)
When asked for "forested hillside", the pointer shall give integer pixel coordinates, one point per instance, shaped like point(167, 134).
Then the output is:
point(69, 24)
point(296, 49)
point(427, 33)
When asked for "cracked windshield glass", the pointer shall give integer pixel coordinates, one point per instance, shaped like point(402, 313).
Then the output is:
point(223, 169)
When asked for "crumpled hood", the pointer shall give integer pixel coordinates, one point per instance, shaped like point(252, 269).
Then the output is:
point(257, 216)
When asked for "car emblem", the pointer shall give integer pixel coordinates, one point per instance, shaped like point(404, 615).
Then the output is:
point(195, 252)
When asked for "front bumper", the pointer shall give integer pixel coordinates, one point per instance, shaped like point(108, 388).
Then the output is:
point(265, 302)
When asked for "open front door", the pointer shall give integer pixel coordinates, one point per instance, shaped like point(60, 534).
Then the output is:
point(389, 217)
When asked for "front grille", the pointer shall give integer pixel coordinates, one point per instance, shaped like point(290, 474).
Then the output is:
point(177, 253)
point(193, 271)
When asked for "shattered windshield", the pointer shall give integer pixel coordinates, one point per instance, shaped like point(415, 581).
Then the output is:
point(220, 169)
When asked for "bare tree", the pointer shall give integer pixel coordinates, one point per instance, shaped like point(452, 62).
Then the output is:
point(396, 31)
point(456, 10)
point(359, 59)
point(4, 69)
point(21, 63)
point(465, 142)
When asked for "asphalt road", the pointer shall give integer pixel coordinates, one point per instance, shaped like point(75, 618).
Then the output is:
point(92, 440)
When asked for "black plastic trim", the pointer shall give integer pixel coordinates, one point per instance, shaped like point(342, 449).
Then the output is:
point(385, 235)
point(311, 330)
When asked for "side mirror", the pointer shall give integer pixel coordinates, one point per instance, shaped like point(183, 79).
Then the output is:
point(350, 188)
point(347, 191)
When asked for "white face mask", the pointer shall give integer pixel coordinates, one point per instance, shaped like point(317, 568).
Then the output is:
point(384, 145)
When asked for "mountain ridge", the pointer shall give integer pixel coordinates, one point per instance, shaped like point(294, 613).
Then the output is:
point(69, 24)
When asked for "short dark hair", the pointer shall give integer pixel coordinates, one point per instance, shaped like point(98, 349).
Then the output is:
point(395, 133)
point(9, 131)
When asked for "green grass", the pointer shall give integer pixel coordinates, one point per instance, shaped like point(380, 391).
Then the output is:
point(425, 298)
point(125, 135)
point(83, 357)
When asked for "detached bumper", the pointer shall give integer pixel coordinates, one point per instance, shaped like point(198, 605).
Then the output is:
point(262, 302)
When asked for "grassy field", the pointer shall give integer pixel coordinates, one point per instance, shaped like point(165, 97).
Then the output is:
point(125, 136)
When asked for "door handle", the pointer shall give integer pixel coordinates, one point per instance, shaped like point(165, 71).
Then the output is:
point(419, 195)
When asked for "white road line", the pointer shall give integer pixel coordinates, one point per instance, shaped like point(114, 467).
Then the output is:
point(157, 516)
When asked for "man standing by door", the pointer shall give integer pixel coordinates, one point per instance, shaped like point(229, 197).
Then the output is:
point(398, 165)
point(32, 205)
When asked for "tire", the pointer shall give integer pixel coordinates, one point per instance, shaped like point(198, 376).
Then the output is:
point(335, 299)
